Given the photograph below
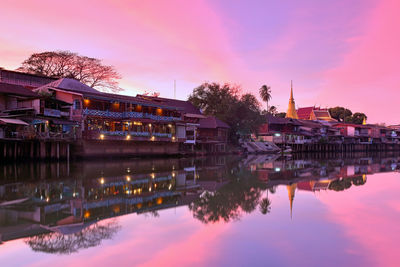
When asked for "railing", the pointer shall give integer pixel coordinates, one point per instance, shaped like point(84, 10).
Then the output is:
point(128, 114)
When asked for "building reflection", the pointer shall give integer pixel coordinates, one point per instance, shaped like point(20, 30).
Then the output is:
point(62, 207)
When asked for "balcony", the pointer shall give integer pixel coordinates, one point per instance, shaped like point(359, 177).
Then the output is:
point(128, 115)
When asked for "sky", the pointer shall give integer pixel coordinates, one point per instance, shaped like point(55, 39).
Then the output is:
point(337, 52)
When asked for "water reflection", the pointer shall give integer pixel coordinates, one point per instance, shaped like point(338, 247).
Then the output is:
point(62, 208)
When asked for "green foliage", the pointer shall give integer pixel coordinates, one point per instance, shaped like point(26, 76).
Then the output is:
point(265, 93)
point(358, 117)
point(281, 114)
point(346, 115)
point(340, 113)
point(242, 113)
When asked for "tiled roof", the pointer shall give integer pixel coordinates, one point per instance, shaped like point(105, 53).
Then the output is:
point(304, 113)
point(71, 85)
point(212, 123)
point(13, 89)
point(185, 105)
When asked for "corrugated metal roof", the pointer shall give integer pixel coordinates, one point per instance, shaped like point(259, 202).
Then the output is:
point(13, 89)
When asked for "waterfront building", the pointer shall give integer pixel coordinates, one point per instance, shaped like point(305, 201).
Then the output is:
point(291, 111)
point(213, 135)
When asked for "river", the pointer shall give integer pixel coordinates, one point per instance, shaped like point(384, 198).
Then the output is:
point(209, 211)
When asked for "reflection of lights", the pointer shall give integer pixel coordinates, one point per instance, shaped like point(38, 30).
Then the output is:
point(277, 169)
point(102, 180)
point(102, 136)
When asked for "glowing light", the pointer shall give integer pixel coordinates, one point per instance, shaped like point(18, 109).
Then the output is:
point(47, 199)
point(169, 125)
point(86, 101)
point(150, 125)
point(277, 169)
point(173, 174)
point(128, 170)
point(128, 137)
point(86, 214)
point(153, 176)
point(152, 138)
point(170, 186)
point(102, 180)
point(102, 136)
point(173, 138)
point(128, 178)
point(159, 201)
point(150, 189)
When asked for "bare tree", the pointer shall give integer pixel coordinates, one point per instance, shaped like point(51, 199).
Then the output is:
point(65, 64)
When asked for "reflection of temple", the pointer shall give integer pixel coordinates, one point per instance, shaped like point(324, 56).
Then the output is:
point(314, 176)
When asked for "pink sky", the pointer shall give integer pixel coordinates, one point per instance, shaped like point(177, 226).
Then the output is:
point(336, 52)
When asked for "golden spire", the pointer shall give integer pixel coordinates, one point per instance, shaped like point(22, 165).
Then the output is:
point(291, 189)
point(364, 121)
point(291, 111)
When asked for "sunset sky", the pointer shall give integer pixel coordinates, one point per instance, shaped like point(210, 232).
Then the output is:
point(337, 52)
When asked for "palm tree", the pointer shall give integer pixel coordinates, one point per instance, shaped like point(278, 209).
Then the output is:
point(265, 93)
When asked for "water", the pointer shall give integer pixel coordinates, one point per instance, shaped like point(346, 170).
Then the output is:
point(214, 211)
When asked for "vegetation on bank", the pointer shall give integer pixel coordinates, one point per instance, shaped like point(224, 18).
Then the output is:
point(242, 112)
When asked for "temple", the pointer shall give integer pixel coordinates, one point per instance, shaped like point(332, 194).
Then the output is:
point(291, 112)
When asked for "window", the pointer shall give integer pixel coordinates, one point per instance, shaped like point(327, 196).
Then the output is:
point(77, 104)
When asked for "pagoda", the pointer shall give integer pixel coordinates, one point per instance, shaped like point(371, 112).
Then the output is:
point(291, 111)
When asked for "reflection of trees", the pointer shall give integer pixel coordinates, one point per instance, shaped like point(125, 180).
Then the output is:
point(230, 201)
point(57, 243)
point(265, 206)
point(345, 183)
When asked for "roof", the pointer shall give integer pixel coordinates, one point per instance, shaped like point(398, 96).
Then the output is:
point(304, 113)
point(187, 106)
point(71, 85)
point(13, 89)
point(212, 123)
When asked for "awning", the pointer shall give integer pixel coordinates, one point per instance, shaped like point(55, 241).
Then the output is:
point(13, 121)
point(198, 116)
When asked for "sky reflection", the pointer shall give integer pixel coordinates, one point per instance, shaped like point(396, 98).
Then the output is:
point(354, 227)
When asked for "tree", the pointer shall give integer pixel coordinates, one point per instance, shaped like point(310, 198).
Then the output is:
point(273, 110)
point(65, 64)
point(241, 112)
point(58, 243)
point(358, 118)
point(281, 114)
point(341, 114)
point(265, 93)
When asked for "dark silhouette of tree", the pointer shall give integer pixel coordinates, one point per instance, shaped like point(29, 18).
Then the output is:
point(358, 118)
point(265, 93)
point(57, 243)
point(340, 113)
point(65, 64)
point(241, 112)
